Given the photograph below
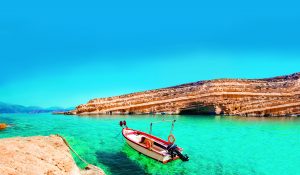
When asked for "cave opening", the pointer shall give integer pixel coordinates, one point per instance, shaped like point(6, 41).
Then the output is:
point(198, 109)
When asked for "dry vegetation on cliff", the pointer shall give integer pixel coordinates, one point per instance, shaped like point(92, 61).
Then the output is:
point(278, 96)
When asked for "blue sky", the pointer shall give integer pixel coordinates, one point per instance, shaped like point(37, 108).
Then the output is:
point(65, 53)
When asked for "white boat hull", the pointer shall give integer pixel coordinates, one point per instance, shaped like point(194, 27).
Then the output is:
point(149, 153)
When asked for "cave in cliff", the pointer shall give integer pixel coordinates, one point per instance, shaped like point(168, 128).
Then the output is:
point(197, 108)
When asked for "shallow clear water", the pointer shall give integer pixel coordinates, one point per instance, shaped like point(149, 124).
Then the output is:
point(216, 145)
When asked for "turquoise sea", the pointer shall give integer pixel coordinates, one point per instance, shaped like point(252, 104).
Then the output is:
point(216, 145)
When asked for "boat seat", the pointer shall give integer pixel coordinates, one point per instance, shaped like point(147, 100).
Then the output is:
point(135, 138)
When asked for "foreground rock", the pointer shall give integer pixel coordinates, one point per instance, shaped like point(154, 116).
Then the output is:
point(278, 96)
point(38, 155)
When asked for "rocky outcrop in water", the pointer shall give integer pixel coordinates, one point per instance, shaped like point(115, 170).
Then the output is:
point(47, 155)
point(3, 126)
point(278, 96)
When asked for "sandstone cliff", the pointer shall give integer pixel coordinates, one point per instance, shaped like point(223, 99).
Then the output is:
point(47, 155)
point(278, 96)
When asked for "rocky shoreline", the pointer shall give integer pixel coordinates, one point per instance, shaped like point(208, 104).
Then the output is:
point(278, 96)
point(47, 155)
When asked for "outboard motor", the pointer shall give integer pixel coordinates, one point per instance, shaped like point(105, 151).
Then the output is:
point(173, 151)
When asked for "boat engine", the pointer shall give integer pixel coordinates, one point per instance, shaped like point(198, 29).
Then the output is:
point(173, 151)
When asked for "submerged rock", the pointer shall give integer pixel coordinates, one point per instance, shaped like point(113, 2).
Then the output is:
point(278, 96)
point(37, 155)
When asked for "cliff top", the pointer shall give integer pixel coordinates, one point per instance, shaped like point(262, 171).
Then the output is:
point(293, 76)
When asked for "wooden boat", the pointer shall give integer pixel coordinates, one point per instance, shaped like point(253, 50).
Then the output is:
point(151, 146)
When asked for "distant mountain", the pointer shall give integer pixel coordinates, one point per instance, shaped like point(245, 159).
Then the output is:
point(12, 108)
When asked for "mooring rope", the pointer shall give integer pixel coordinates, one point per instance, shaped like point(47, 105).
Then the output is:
point(84, 161)
point(117, 135)
point(88, 165)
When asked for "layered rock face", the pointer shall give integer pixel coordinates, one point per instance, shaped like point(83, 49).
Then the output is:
point(47, 155)
point(278, 96)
